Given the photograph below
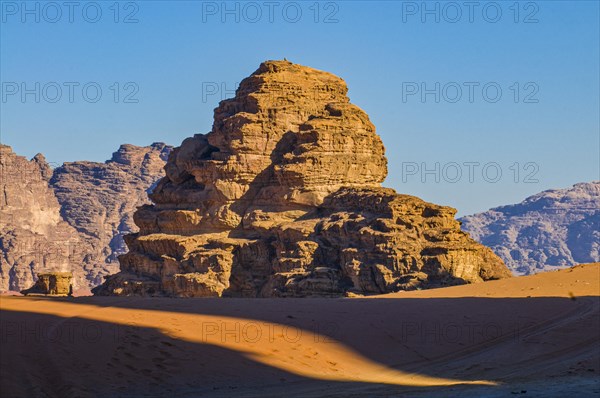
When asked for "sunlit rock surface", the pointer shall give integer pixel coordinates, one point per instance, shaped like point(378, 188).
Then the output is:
point(52, 284)
point(283, 198)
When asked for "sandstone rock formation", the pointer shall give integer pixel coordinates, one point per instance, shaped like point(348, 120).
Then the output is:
point(553, 229)
point(71, 218)
point(283, 198)
point(53, 284)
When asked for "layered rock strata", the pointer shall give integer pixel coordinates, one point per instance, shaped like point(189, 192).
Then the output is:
point(283, 198)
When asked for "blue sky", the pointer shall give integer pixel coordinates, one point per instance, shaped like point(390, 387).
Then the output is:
point(154, 62)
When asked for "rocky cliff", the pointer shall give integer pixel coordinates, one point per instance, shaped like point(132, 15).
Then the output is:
point(72, 218)
point(99, 200)
point(33, 236)
point(553, 229)
point(283, 198)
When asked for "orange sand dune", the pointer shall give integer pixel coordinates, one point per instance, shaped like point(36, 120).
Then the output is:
point(533, 336)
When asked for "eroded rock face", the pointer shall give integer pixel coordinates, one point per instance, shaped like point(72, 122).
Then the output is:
point(553, 229)
point(283, 198)
point(72, 218)
point(33, 236)
point(99, 200)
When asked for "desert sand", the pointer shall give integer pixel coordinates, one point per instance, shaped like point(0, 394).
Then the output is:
point(528, 336)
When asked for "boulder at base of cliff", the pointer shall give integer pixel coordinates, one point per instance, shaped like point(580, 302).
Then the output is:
point(52, 284)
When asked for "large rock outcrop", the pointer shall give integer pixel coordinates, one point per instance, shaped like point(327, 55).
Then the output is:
point(553, 229)
point(72, 218)
point(283, 198)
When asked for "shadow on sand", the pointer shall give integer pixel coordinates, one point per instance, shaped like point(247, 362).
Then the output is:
point(130, 347)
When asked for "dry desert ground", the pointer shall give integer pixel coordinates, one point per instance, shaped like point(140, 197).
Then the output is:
point(533, 336)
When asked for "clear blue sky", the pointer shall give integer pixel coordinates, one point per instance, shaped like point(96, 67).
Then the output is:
point(385, 50)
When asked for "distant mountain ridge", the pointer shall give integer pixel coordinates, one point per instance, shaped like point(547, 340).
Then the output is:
point(553, 229)
point(72, 218)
